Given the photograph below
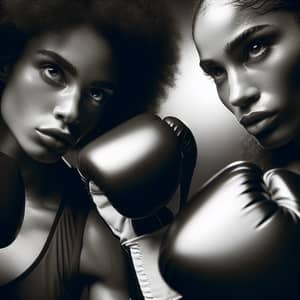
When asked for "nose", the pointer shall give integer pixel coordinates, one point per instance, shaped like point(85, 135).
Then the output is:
point(67, 107)
point(242, 90)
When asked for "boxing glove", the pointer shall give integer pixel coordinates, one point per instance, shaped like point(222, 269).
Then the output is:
point(12, 200)
point(238, 238)
point(141, 238)
point(137, 165)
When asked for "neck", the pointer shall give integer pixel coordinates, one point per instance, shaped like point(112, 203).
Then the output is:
point(294, 165)
point(287, 157)
point(40, 179)
point(297, 141)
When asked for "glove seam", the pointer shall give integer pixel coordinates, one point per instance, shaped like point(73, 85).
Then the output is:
point(137, 258)
point(133, 241)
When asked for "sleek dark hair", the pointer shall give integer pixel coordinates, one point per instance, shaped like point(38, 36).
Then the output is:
point(142, 34)
point(259, 6)
point(265, 6)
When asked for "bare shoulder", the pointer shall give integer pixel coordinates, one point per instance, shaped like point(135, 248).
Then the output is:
point(101, 255)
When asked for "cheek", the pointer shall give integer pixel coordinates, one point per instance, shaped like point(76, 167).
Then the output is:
point(90, 119)
point(281, 75)
point(14, 104)
point(25, 95)
point(223, 93)
point(293, 75)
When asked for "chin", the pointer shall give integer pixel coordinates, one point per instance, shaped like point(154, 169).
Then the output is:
point(48, 160)
point(273, 142)
point(44, 157)
point(40, 153)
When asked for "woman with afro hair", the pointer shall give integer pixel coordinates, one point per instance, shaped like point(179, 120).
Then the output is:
point(85, 66)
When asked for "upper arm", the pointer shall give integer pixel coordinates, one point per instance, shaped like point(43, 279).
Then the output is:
point(102, 261)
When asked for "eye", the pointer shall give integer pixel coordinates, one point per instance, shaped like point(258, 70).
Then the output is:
point(96, 94)
point(53, 75)
point(256, 50)
point(218, 74)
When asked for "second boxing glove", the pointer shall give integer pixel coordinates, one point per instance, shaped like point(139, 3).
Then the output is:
point(238, 238)
point(137, 165)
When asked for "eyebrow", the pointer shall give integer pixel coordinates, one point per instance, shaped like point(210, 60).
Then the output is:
point(230, 46)
point(59, 59)
point(105, 84)
point(70, 68)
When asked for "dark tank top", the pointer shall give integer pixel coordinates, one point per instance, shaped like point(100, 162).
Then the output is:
point(54, 273)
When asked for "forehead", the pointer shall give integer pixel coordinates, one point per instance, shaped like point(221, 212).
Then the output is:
point(218, 23)
point(81, 46)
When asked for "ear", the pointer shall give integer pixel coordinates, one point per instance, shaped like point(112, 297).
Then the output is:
point(4, 72)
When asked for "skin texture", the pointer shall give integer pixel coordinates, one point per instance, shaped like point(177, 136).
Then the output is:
point(258, 74)
point(66, 94)
point(43, 92)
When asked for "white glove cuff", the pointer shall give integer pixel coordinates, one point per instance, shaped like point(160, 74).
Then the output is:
point(144, 251)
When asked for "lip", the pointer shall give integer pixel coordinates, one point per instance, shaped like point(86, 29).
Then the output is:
point(258, 122)
point(55, 137)
point(254, 117)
